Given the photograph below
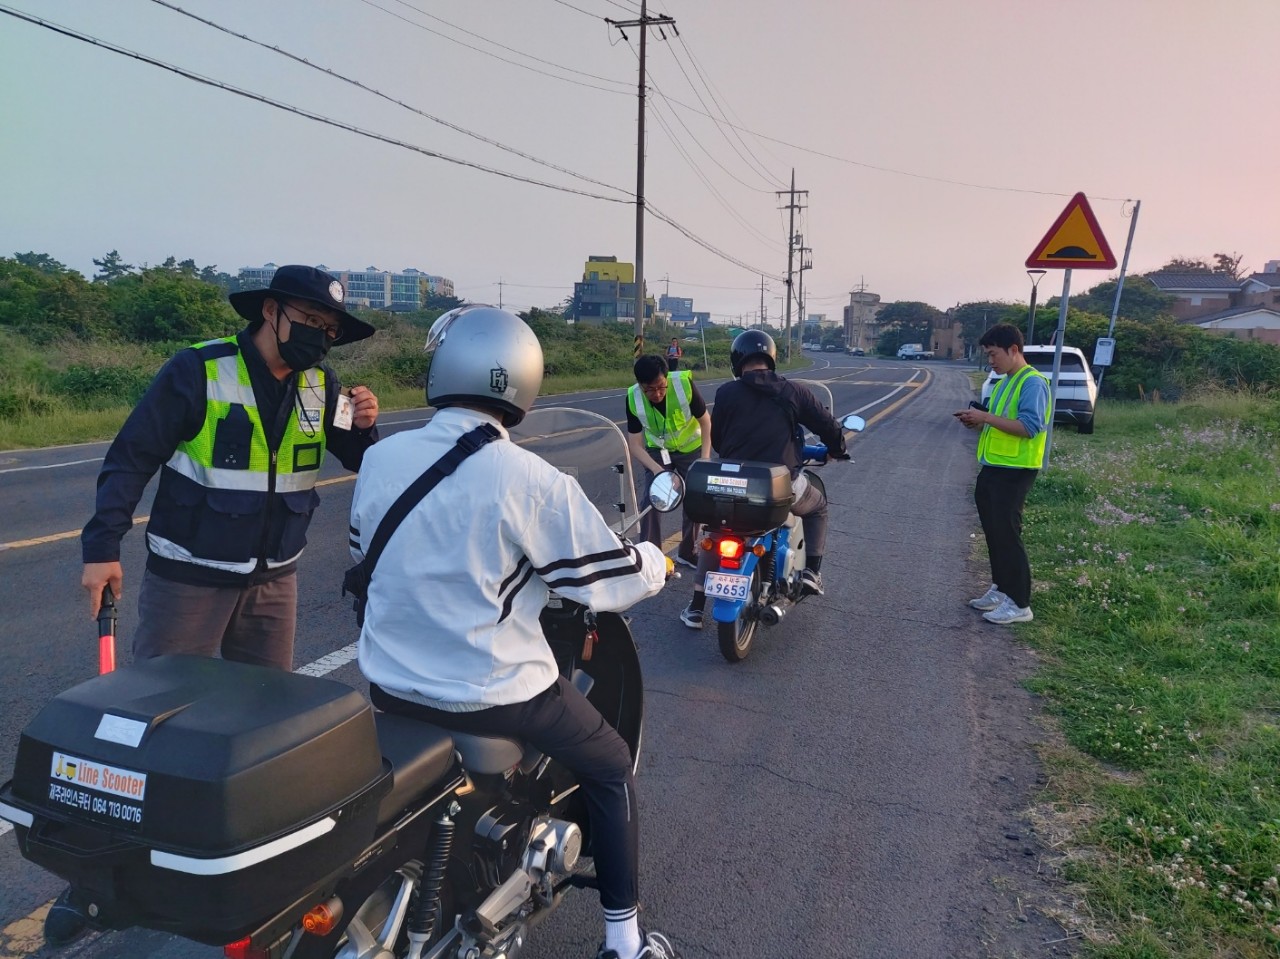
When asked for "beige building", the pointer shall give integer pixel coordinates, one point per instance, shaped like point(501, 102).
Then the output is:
point(860, 326)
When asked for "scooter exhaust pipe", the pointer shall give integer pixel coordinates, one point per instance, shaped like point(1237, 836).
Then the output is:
point(772, 615)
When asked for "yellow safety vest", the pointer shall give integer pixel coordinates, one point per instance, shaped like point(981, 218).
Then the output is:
point(678, 431)
point(231, 456)
point(998, 448)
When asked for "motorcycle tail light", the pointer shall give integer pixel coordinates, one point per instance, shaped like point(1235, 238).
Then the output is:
point(731, 553)
point(242, 949)
point(321, 919)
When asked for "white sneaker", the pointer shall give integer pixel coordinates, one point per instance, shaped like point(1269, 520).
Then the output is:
point(1009, 612)
point(991, 599)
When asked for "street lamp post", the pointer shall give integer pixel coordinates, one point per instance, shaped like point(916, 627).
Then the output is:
point(1036, 276)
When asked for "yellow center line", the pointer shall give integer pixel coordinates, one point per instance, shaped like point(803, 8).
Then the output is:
point(70, 534)
point(24, 936)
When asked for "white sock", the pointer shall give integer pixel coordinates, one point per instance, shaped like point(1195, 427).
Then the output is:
point(622, 932)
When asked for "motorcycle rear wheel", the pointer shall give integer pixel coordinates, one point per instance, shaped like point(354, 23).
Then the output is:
point(736, 637)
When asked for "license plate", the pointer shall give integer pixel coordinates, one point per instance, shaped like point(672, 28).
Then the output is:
point(728, 586)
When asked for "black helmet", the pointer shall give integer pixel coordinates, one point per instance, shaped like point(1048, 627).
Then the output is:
point(752, 343)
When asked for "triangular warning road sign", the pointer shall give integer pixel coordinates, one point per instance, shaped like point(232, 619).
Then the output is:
point(1074, 242)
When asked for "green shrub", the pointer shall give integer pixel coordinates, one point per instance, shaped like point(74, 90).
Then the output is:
point(99, 387)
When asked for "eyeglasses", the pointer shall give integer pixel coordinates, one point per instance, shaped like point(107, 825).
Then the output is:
point(331, 330)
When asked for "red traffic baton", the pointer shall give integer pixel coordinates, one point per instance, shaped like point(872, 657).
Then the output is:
point(107, 615)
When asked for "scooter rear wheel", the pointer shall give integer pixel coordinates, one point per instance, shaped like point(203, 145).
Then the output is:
point(736, 637)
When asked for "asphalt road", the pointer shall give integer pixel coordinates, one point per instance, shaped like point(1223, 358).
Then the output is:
point(854, 789)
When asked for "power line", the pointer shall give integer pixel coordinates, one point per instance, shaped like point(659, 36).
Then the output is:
point(400, 103)
point(564, 3)
point(708, 286)
point(700, 144)
point(711, 89)
point(707, 182)
point(503, 46)
point(327, 121)
point(707, 246)
point(882, 169)
point(487, 53)
point(319, 118)
point(719, 129)
point(698, 171)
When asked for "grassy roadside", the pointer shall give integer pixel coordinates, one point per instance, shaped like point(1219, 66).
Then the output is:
point(60, 426)
point(1155, 546)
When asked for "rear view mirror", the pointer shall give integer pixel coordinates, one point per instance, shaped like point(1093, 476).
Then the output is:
point(666, 492)
point(854, 422)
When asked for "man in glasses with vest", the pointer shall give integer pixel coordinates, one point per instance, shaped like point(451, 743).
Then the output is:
point(668, 428)
point(238, 428)
point(1011, 451)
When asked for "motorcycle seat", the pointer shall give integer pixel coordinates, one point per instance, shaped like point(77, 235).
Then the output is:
point(420, 754)
point(492, 755)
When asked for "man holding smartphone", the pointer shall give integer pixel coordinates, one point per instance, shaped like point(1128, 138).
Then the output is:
point(1011, 451)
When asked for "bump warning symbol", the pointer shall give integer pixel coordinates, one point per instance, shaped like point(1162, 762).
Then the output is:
point(1074, 242)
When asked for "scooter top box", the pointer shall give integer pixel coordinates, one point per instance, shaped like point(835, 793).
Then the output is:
point(738, 496)
point(194, 755)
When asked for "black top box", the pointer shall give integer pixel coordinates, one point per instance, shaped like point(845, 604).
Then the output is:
point(197, 795)
point(738, 496)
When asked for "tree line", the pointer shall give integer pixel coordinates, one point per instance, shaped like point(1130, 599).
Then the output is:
point(1153, 350)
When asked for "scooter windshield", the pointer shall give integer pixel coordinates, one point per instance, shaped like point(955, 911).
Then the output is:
point(590, 448)
point(823, 394)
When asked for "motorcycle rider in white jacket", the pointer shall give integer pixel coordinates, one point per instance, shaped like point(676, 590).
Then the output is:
point(451, 632)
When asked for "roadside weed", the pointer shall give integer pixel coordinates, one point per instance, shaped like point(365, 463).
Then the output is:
point(1155, 547)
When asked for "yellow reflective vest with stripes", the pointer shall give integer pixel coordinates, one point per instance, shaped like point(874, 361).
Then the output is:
point(228, 500)
point(676, 431)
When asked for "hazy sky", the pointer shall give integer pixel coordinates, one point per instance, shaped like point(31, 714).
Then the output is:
point(1166, 101)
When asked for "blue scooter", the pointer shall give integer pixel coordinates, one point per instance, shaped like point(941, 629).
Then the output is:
point(757, 542)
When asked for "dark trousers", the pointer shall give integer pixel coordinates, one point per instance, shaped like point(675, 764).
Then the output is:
point(247, 624)
point(562, 724)
point(1000, 494)
point(651, 523)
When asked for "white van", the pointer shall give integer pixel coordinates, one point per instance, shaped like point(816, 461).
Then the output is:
point(1077, 389)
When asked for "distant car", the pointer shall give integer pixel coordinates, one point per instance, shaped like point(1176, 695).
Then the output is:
point(831, 348)
point(856, 351)
point(1077, 389)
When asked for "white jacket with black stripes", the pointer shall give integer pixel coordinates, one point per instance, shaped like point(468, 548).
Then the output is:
point(452, 618)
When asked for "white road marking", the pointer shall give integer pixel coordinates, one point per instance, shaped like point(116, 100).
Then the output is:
point(327, 664)
point(51, 466)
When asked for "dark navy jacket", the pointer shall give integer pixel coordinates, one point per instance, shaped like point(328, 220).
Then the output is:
point(173, 410)
point(755, 419)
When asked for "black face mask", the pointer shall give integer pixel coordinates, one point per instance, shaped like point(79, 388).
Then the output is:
point(305, 348)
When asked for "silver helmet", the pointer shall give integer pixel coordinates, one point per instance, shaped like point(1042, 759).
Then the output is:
point(483, 356)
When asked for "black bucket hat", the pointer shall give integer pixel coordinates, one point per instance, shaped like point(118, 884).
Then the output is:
point(303, 283)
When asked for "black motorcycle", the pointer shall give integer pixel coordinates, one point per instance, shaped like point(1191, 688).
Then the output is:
point(279, 816)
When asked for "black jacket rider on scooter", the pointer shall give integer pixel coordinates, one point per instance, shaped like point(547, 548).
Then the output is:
point(758, 416)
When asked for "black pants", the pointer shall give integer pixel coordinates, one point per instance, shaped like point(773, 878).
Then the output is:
point(562, 724)
point(1000, 494)
point(651, 524)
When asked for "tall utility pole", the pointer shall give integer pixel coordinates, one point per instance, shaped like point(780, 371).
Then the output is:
point(499, 293)
point(644, 23)
point(791, 248)
point(762, 301)
point(805, 264)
